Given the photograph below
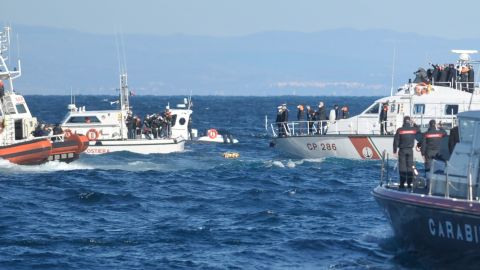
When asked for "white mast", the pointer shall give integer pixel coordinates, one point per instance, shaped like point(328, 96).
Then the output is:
point(5, 73)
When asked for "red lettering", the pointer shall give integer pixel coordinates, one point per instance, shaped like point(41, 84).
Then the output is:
point(412, 132)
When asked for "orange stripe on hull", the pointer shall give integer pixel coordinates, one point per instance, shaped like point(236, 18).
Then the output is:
point(27, 153)
point(74, 144)
point(365, 148)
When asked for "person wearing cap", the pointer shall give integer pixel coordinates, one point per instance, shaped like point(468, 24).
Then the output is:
point(279, 121)
point(285, 119)
point(431, 144)
point(321, 117)
point(403, 142)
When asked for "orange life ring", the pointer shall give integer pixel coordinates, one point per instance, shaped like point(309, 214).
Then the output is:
point(67, 133)
point(92, 134)
point(212, 133)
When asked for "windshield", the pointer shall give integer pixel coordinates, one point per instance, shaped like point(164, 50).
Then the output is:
point(373, 109)
point(466, 128)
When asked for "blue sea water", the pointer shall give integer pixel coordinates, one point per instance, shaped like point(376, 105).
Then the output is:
point(195, 209)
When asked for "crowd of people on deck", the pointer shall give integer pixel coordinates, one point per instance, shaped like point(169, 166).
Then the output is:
point(315, 120)
point(43, 129)
point(460, 77)
point(429, 144)
point(153, 126)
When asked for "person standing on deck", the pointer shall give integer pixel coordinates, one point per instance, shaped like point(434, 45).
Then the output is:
point(404, 141)
point(310, 119)
point(383, 119)
point(431, 144)
point(285, 119)
point(279, 121)
point(301, 117)
point(321, 117)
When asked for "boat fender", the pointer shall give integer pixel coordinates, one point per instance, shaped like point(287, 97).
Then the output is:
point(212, 133)
point(92, 134)
point(67, 133)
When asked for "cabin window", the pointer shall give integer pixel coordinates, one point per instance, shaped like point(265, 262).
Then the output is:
point(182, 121)
point(21, 108)
point(451, 109)
point(374, 109)
point(419, 109)
point(83, 120)
point(392, 108)
point(466, 130)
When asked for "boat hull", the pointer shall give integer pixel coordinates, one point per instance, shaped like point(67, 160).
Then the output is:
point(140, 146)
point(341, 146)
point(69, 149)
point(430, 222)
point(31, 152)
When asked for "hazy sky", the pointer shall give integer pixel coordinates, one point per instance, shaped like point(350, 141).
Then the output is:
point(450, 19)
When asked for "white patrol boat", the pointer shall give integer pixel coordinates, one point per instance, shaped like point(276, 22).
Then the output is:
point(360, 136)
point(108, 130)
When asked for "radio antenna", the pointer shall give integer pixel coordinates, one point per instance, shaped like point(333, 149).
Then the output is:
point(393, 68)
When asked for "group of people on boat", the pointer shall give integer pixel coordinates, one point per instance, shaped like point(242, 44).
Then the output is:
point(460, 77)
point(157, 125)
point(43, 129)
point(312, 117)
point(429, 144)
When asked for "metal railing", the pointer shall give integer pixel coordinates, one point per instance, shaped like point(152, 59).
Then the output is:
point(351, 126)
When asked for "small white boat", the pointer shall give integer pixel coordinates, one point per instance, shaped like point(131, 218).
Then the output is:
point(213, 136)
point(107, 130)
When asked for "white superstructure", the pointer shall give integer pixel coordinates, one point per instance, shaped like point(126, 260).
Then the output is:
point(107, 130)
point(360, 137)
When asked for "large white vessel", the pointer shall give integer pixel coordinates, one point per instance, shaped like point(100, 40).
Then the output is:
point(108, 131)
point(360, 136)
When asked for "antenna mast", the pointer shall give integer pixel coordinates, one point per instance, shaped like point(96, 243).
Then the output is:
point(393, 68)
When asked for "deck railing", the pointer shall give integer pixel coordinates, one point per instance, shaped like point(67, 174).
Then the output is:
point(354, 125)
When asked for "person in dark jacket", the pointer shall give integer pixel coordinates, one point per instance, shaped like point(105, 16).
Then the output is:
point(279, 122)
point(300, 113)
point(301, 117)
point(403, 142)
point(345, 112)
point(383, 119)
point(310, 119)
point(453, 139)
point(431, 144)
point(285, 119)
point(130, 123)
point(321, 117)
point(337, 112)
point(2, 89)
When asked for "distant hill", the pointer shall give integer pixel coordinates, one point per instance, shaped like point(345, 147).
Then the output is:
point(335, 62)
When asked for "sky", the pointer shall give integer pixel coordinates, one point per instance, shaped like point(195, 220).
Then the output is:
point(447, 19)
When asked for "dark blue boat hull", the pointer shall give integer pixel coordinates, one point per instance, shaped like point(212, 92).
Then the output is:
point(430, 222)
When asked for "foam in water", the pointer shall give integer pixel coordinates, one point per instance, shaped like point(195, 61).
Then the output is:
point(51, 166)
